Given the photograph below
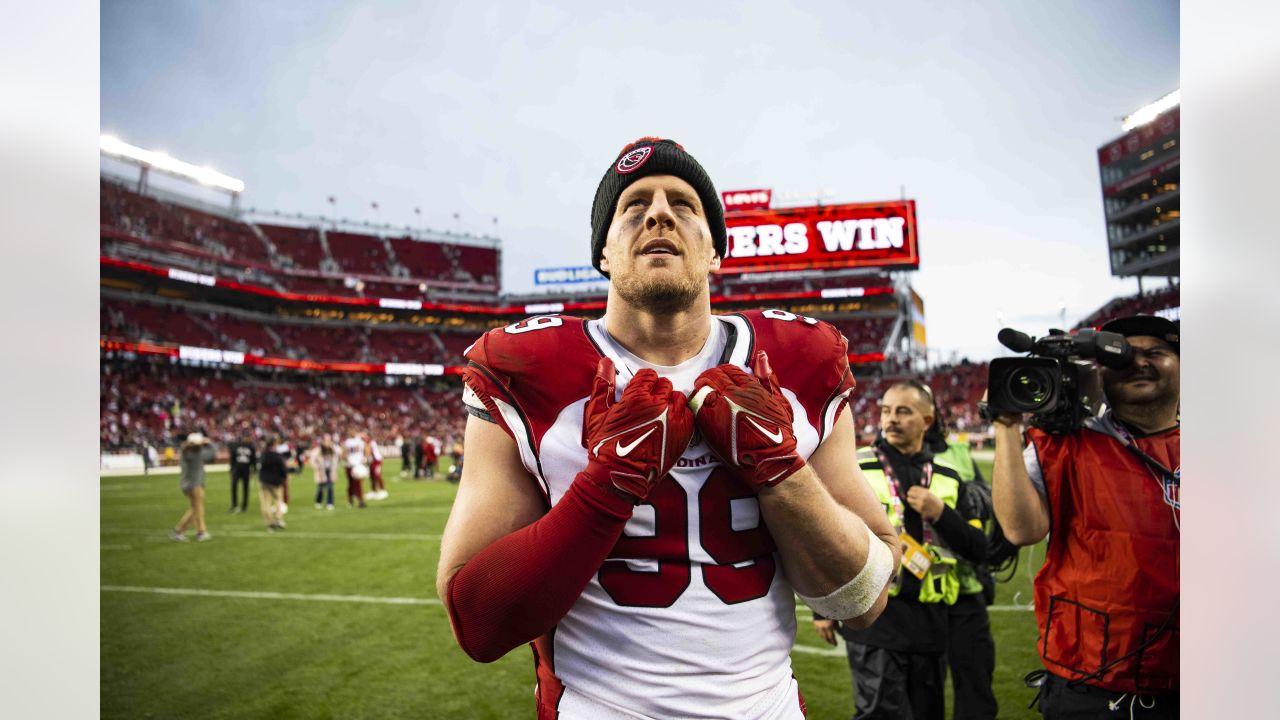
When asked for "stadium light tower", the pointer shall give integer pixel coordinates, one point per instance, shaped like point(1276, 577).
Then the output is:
point(1147, 113)
point(148, 160)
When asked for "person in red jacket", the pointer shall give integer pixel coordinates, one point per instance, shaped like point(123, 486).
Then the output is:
point(1107, 596)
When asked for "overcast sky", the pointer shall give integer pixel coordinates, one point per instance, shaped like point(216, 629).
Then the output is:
point(987, 114)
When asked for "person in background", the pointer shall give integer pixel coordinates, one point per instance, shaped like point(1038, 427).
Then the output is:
point(195, 452)
point(325, 457)
point(971, 649)
point(405, 456)
point(244, 460)
point(287, 453)
point(356, 452)
point(377, 487)
point(419, 453)
point(1107, 596)
point(898, 664)
point(272, 473)
point(430, 455)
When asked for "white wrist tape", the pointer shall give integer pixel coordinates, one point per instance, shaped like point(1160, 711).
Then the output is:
point(857, 596)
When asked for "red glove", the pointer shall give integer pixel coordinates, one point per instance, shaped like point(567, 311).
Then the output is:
point(632, 443)
point(747, 422)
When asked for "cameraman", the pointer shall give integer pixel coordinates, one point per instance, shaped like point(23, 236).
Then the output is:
point(1107, 597)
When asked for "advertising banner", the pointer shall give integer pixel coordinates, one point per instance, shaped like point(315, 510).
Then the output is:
point(880, 234)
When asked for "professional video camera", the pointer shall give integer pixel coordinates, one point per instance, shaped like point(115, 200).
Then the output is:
point(1057, 384)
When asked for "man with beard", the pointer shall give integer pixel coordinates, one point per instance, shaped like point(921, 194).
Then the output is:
point(654, 571)
point(1107, 597)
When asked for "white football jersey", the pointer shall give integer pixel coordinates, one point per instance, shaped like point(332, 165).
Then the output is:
point(354, 447)
point(691, 615)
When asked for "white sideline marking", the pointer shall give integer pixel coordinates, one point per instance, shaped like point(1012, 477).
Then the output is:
point(367, 599)
point(804, 611)
point(283, 534)
point(828, 652)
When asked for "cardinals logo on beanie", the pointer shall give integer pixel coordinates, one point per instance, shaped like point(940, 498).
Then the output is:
point(642, 158)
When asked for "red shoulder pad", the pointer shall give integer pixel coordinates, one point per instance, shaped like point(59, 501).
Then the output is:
point(527, 372)
point(810, 358)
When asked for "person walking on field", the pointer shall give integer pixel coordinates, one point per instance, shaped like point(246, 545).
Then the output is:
point(325, 457)
point(195, 452)
point(274, 471)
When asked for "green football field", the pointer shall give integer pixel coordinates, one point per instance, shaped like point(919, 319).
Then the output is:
point(337, 616)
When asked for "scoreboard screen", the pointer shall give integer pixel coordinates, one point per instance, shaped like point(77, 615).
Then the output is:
point(855, 235)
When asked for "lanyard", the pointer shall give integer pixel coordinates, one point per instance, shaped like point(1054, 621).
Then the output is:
point(926, 478)
point(1170, 481)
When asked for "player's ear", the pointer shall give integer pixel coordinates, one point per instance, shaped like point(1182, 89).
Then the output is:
point(604, 259)
point(715, 260)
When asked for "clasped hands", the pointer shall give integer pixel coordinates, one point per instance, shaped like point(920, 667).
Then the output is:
point(633, 441)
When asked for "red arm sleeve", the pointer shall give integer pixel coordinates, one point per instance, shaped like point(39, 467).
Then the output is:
point(518, 588)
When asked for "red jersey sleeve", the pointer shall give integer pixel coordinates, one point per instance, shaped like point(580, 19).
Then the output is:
point(525, 374)
point(811, 359)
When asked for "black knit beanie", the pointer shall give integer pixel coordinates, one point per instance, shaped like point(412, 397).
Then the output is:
point(652, 156)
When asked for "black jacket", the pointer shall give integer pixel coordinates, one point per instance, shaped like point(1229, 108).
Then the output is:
point(273, 469)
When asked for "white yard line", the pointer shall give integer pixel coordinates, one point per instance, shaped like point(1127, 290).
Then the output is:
point(364, 599)
point(825, 651)
point(804, 611)
point(250, 595)
point(283, 534)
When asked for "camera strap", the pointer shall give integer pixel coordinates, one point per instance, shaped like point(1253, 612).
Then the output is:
point(1170, 480)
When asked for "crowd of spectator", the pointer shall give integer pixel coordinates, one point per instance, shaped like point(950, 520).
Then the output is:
point(179, 323)
point(147, 402)
point(284, 256)
point(1147, 303)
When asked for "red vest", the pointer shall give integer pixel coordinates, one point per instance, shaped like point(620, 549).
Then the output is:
point(1110, 577)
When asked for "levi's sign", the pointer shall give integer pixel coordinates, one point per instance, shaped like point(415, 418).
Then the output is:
point(832, 236)
point(735, 200)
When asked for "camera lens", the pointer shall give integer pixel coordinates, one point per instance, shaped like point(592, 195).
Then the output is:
point(1030, 388)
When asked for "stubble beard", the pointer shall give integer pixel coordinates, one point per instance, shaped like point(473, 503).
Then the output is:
point(660, 293)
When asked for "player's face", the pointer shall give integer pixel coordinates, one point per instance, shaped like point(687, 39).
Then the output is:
point(904, 416)
point(659, 250)
point(1152, 378)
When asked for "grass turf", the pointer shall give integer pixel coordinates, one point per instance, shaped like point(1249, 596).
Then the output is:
point(218, 656)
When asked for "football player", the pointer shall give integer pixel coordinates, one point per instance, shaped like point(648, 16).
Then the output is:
point(377, 488)
point(356, 452)
point(646, 493)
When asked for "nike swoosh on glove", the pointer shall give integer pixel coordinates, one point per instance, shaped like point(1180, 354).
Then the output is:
point(747, 422)
point(632, 443)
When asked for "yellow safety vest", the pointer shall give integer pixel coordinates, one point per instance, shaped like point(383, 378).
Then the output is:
point(941, 584)
point(957, 454)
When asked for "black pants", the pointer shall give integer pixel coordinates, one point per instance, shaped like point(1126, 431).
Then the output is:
point(1085, 702)
point(896, 685)
point(971, 655)
point(240, 478)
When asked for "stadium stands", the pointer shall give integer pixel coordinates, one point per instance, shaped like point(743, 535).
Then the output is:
point(866, 335)
point(423, 259)
point(361, 254)
point(157, 399)
point(297, 247)
point(157, 403)
point(139, 226)
point(179, 323)
point(1148, 303)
